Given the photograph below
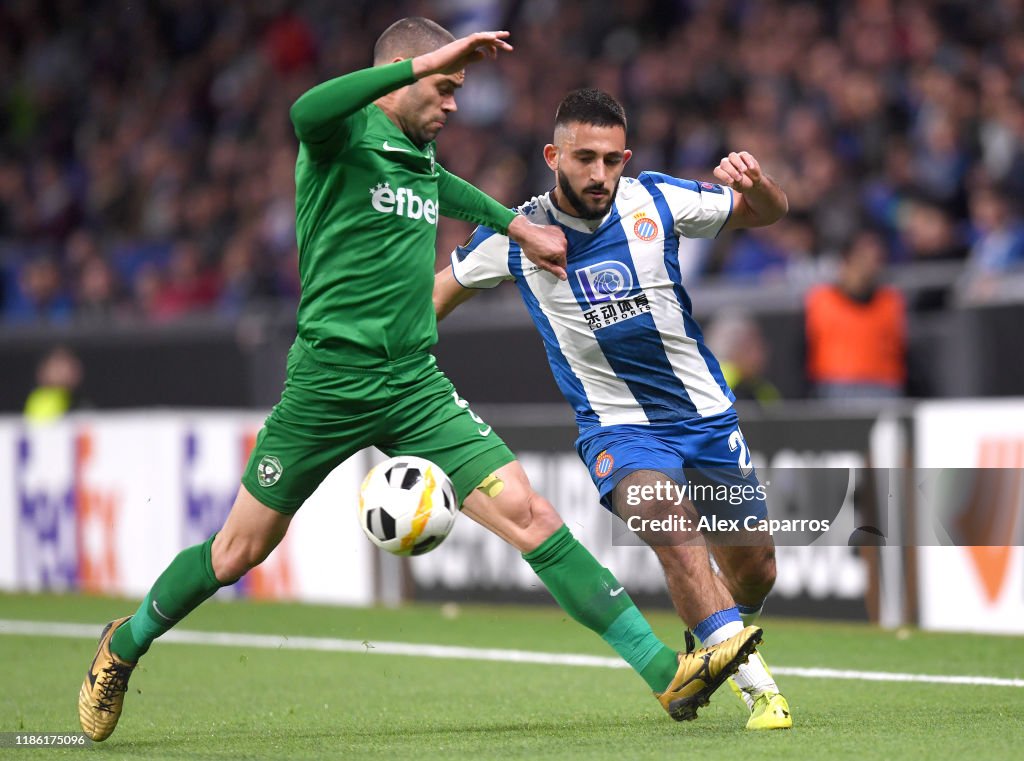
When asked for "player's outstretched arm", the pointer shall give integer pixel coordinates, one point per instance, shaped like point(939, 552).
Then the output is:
point(761, 201)
point(449, 293)
point(320, 112)
point(457, 55)
point(543, 245)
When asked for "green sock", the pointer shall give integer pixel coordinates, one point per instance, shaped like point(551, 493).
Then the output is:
point(184, 584)
point(589, 593)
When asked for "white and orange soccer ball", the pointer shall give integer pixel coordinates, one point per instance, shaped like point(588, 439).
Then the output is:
point(407, 505)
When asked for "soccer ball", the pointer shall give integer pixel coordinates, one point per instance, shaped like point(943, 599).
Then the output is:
point(407, 505)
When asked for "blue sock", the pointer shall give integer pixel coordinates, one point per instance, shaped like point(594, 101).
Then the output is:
point(728, 618)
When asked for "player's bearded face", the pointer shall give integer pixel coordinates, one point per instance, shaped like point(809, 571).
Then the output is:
point(588, 161)
point(592, 201)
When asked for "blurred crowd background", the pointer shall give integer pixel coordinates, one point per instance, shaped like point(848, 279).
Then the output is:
point(146, 156)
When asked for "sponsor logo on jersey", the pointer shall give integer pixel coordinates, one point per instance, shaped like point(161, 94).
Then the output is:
point(605, 281)
point(618, 311)
point(608, 286)
point(604, 464)
point(710, 187)
point(645, 228)
point(403, 203)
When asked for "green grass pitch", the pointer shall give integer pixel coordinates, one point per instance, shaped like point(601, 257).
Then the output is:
point(227, 702)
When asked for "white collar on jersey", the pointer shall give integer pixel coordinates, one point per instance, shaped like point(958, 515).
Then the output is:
point(575, 223)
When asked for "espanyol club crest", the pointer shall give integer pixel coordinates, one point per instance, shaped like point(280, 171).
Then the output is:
point(645, 228)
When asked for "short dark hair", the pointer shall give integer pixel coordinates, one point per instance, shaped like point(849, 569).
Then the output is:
point(589, 105)
point(408, 38)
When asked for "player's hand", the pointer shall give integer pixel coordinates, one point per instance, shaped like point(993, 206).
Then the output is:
point(456, 56)
point(544, 245)
point(740, 171)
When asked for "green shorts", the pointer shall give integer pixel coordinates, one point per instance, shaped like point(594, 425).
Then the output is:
point(327, 413)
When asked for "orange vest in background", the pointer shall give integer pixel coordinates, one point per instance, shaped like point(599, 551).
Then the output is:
point(853, 342)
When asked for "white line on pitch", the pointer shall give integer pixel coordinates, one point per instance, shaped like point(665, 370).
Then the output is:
point(325, 644)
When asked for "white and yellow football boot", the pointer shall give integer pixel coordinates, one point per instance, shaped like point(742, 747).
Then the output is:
point(768, 710)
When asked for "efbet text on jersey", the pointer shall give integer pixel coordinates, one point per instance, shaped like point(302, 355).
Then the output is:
point(403, 202)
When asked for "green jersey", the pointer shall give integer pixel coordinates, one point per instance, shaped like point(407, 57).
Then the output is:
point(367, 202)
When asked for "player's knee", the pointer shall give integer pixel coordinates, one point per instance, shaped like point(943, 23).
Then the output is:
point(533, 519)
point(756, 576)
point(544, 519)
point(233, 557)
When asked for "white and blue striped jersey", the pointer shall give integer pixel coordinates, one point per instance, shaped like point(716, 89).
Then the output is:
point(619, 334)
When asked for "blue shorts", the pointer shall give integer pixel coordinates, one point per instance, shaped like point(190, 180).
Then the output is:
point(712, 449)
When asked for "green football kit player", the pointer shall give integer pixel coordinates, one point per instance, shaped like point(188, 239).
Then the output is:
point(369, 192)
